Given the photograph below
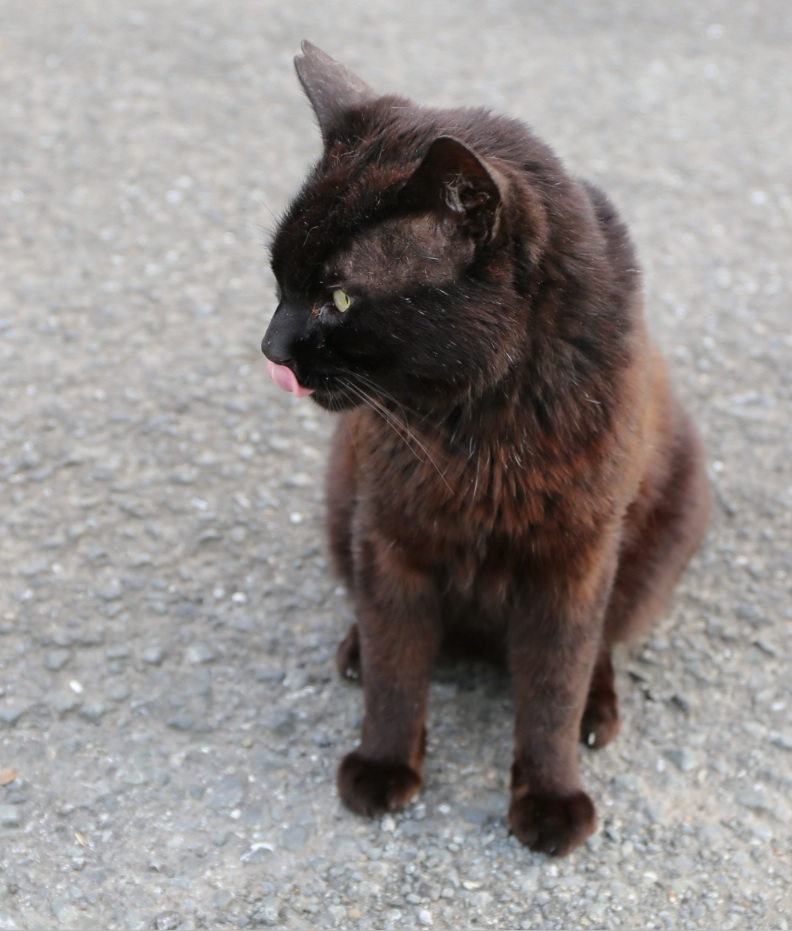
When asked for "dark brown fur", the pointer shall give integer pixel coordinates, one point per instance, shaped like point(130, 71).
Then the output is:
point(511, 470)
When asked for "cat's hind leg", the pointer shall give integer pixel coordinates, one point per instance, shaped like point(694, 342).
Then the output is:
point(348, 656)
point(601, 721)
point(663, 528)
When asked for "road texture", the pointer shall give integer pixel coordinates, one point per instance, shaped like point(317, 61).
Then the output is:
point(170, 720)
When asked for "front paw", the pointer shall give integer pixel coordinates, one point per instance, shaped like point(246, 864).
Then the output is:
point(552, 824)
point(371, 788)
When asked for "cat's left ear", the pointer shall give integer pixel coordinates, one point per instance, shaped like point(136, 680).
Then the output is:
point(454, 179)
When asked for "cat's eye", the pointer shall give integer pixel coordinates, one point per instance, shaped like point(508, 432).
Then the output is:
point(341, 300)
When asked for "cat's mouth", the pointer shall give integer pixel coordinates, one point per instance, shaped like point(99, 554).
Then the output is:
point(331, 399)
point(285, 378)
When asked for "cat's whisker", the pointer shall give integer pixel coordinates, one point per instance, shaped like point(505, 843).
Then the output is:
point(387, 415)
point(403, 409)
point(420, 417)
point(399, 426)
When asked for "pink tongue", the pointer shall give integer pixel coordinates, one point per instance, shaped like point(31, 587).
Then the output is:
point(285, 378)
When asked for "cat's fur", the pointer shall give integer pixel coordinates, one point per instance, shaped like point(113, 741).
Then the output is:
point(511, 470)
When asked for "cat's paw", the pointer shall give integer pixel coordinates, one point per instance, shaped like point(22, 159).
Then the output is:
point(371, 788)
point(552, 824)
point(601, 721)
point(348, 656)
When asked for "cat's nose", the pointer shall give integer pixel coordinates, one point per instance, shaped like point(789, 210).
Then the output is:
point(278, 342)
point(275, 350)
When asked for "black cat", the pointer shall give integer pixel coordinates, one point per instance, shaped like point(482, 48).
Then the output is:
point(511, 470)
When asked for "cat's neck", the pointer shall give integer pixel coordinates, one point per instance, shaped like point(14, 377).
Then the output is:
point(525, 409)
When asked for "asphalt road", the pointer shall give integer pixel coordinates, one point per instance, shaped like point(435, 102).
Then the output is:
point(170, 720)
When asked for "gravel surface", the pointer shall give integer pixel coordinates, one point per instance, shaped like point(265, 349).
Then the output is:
point(170, 720)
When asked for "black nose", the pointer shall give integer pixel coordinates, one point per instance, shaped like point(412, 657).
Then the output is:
point(275, 345)
point(281, 335)
point(273, 352)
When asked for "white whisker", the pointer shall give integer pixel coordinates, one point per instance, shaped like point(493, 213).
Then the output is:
point(399, 426)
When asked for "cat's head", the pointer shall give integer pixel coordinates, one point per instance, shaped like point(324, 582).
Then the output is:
point(395, 261)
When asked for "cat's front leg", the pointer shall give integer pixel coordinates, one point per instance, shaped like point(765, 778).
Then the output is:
point(553, 644)
point(398, 633)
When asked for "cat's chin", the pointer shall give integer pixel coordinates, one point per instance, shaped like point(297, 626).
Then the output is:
point(333, 401)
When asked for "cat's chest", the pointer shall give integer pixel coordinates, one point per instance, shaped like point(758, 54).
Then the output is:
point(456, 501)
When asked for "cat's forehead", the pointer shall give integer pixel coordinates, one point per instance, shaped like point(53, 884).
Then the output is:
point(330, 216)
point(400, 254)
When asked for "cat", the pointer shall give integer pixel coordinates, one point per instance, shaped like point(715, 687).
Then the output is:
point(510, 472)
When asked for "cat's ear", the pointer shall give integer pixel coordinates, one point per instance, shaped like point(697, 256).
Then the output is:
point(331, 88)
point(454, 179)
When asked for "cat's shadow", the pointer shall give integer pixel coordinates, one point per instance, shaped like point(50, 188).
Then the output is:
point(471, 736)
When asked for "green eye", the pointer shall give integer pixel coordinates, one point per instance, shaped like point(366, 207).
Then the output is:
point(341, 300)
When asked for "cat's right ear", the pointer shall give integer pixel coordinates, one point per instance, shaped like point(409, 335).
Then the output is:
point(331, 88)
point(455, 180)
